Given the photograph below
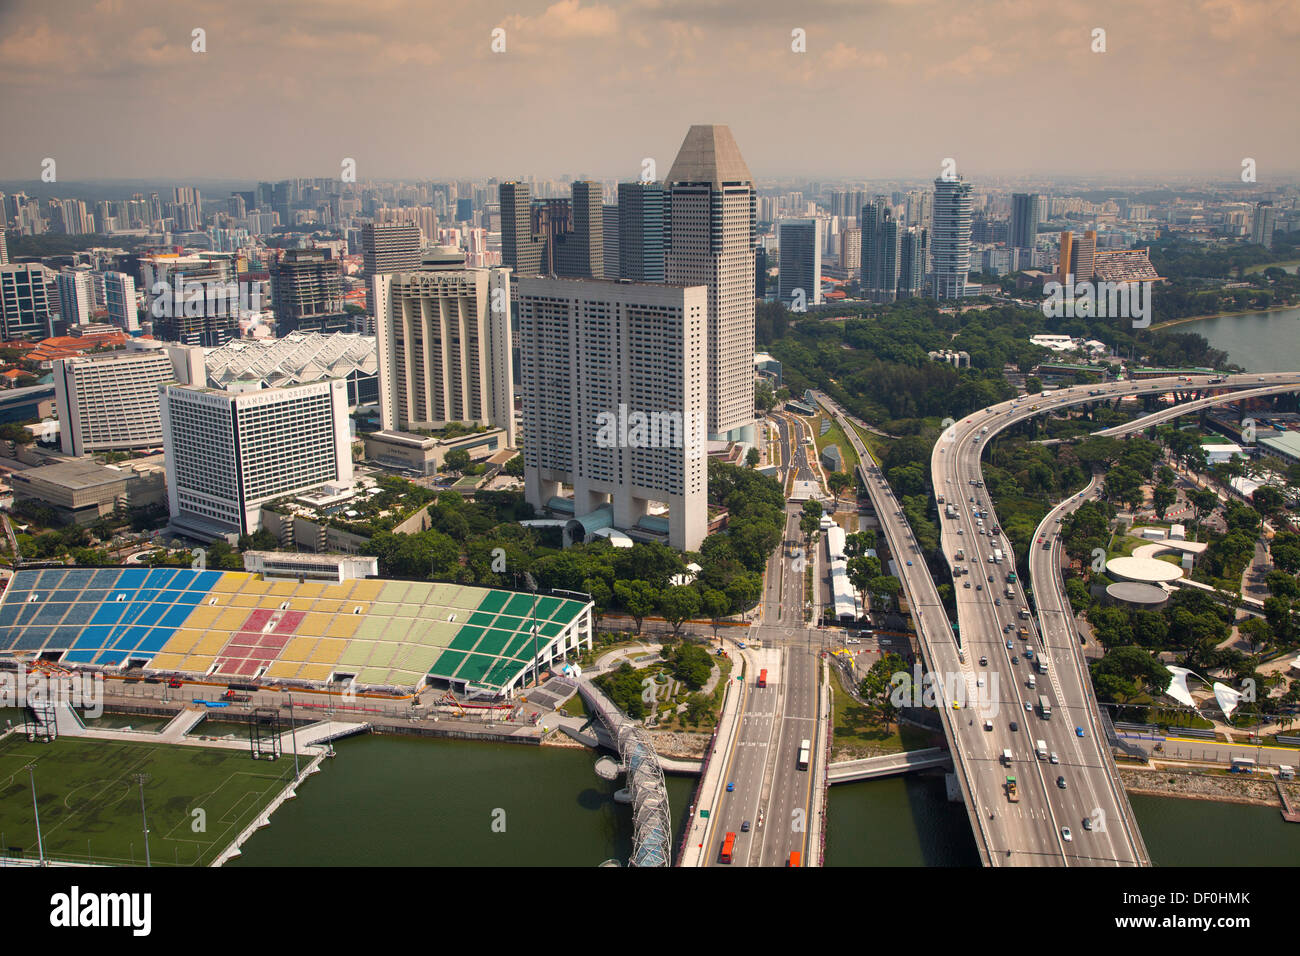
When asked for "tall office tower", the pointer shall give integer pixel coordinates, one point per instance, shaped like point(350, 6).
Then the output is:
point(920, 208)
point(1077, 256)
point(4, 244)
point(119, 297)
point(520, 250)
point(444, 346)
point(1261, 224)
point(1025, 213)
point(389, 247)
point(75, 218)
point(76, 296)
point(110, 401)
point(880, 251)
point(912, 248)
point(641, 231)
point(579, 251)
point(710, 234)
point(611, 242)
point(24, 302)
point(614, 399)
point(850, 250)
point(799, 272)
point(307, 292)
point(760, 273)
point(950, 238)
point(194, 300)
point(228, 453)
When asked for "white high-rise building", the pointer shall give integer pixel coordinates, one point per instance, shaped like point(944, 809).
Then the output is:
point(710, 238)
point(950, 238)
point(799, 277)
point(444, 346)
point(614, 386)
point(76, 296)
point(228, 453)
point(119, 297)
point(110, 401)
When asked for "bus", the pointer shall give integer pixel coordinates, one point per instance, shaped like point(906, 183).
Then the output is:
point(1044, 707)
point(728, 845)
point(794, 858)
point(805, 753)
point(762, 678)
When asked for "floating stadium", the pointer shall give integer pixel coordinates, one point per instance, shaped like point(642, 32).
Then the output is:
point(365, 634)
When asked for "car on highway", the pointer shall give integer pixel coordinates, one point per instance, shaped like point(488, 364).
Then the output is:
point(990, 579)
point(966, 585)
point(909, 564)
point(1053, 758)
point(1078, 731)
point(988, 725)
point(1009, 645)
point(997, 601)
point(1029, 707)
point(1087, 823)
point(1060, 782)
point(1015, 658)
point(1066, 835)
point(730, 787)
point(1014, 726)
point(744, 827)
point(984, 661)
point(979, 587)
point(1029, 653)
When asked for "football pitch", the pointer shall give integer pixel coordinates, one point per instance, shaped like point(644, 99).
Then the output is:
point(197, 800)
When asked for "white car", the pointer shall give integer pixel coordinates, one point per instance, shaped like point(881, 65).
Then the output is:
point(1066, 835)
point(1053, 758)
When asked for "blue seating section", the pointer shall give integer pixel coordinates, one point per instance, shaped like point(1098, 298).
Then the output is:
point(99, 616)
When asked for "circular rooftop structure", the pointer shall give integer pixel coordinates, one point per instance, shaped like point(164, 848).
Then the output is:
point(1137, 593)
point(1143, 570)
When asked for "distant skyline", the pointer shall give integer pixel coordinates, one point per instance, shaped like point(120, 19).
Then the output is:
point(412, 90)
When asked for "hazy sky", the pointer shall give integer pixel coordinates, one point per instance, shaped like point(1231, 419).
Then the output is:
point(411, 88)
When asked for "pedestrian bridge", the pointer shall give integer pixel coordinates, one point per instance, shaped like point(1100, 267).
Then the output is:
point(888, 765)
point(652, 825)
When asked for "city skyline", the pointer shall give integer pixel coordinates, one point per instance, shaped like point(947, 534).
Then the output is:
point(260, 65)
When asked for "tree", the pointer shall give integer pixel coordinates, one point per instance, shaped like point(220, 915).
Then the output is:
point(877, 687)
point(752, 457)
point(515, 467)
point(638, 599)
point(716, 605)
point(1163, 498)
point(838, 482)
point(691, 665)
point(679, 604)
point(456, 460)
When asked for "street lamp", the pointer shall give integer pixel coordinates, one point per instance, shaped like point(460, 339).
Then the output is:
point(40, 843)
point(141, 778)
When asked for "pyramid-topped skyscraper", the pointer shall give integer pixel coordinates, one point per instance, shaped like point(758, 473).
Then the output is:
point(711, 227)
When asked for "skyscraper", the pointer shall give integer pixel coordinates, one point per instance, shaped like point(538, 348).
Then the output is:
point(307, 292)
point(580, 251)
point(444, 347)
point(710, 234)
point(799, 269)
point(76, 296)
point(912, 249)
point(613, 391)
point(228, 453)
point(24, 302)
point(880, 251)
point(1076, 256)
point(119, 296)
point(1025, 212)
point(950, 238)
point(520, 251)
point(1261, 225)
point(611, 242)
point(641, 231)
point(389, 247)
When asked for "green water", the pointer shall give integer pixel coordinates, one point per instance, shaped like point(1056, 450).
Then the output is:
point(1198, 833)
point(897, 821)
point(1258, 341)
point(398, 801)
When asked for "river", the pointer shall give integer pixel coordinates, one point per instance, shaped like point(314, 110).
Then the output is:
point(1257, 341)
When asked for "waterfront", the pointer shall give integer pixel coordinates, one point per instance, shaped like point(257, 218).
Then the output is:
point(1257, 341)
point(402, 801)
